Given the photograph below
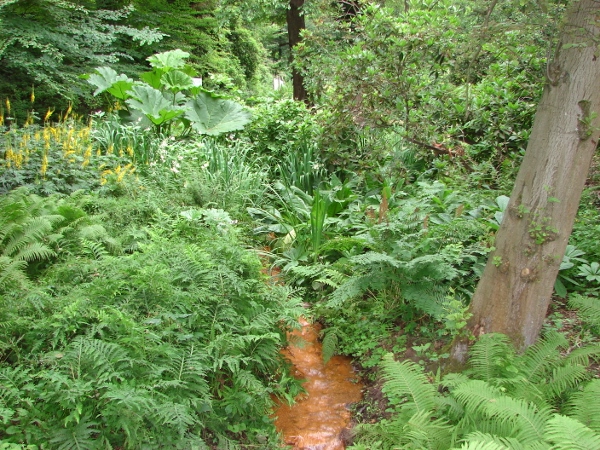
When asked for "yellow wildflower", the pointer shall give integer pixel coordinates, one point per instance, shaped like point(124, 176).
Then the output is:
point(48, 114)
point(44, 165)
point(69, 109)
point(7, 106)
point(32, 97)
point(86, 156)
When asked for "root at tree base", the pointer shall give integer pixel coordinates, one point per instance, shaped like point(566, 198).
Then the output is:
point(318, 418)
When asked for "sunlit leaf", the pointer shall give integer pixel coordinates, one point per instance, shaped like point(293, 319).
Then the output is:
point(174, 59)
point(153, 104)
point(107, 79)
point(214, 116)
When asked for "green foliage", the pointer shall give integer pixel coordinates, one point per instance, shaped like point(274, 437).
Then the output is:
point(61, 158)
point(48, 43)
point(504, 401)
point(588, 308)
point(148, 324)
point(167, 100)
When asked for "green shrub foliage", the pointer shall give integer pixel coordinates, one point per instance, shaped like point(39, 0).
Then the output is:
point(504, 401)
point(157, 334)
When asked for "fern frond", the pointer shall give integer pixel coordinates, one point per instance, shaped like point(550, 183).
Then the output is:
point(175, 415)
point(12, 273)
point(479, 445)
point(588, 308)
point(504, 443)
point(475, 395)
point(489, 355)
point(585, 405)
point(406, 379)
point(570, 434)
point(34, 251)
point(99, 360)
point(541, 358)
point(422, 431)
point(78, 437)
point(564, 378)
point(330, 343)
point(351, 288)
point(582, 355)
point(527, 419)
point(34, 230)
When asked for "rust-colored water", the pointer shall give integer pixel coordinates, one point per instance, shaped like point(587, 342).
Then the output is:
point(316, 420)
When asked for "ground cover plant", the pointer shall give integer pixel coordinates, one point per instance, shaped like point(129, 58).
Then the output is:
point(130, 321)
point(135, 311)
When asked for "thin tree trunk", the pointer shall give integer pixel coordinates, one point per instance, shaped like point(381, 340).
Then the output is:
point(515, 290)
point(295, 24)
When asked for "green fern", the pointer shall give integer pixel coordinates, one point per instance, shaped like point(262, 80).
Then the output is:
point(330, 343)
point(563, 379)
point(585, 405)
point(81, 435)
point(405, 380)
point(588, 308)
point(488, 357)
point(569, 434)
point(539, 359)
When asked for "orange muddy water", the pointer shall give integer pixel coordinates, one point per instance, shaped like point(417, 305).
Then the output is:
point(317, 418)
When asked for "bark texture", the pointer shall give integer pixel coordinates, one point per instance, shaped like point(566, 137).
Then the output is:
point(515, 290)
point(295, 25)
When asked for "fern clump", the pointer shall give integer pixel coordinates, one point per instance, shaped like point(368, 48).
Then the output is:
point(173, 341)
point(541, 399)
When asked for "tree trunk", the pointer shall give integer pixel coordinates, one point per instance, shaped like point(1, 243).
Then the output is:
point(515, 290)
point(295, 25)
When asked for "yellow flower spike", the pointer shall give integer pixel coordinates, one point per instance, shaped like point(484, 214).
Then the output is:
point(1, 118)
point(98, 152)
point(69, 109)
point(37, 136)
point(86, 156)
point(110, 149)
point(120, 152)
point(48, 114)
point(32, 97)
point(44, 165)
point(130, 150)
point(7, 105)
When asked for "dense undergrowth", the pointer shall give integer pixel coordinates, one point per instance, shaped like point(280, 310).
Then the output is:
point(134, 307)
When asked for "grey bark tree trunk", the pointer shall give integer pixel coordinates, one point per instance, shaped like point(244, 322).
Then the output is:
point(515, 290)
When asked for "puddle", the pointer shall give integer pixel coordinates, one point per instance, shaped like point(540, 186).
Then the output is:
point(317, 419)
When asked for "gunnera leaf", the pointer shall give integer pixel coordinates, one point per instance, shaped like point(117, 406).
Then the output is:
point(213, 116)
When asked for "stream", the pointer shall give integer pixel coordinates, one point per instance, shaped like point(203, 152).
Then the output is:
point(317, 419)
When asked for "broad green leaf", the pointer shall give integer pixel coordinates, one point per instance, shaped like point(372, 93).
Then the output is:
point(153, 104)
point(560, 288)
point(174, 59)
point(177, 81)
point(107, 79)
point(153, 78)
point(214, 116)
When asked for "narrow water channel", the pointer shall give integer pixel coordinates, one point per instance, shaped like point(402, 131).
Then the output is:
point(317, 419)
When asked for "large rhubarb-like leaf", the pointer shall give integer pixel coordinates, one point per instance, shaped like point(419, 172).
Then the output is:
point(213, 116)
point(107, 79)
point(153, 104)
point(176, 81)
point(174, 59)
